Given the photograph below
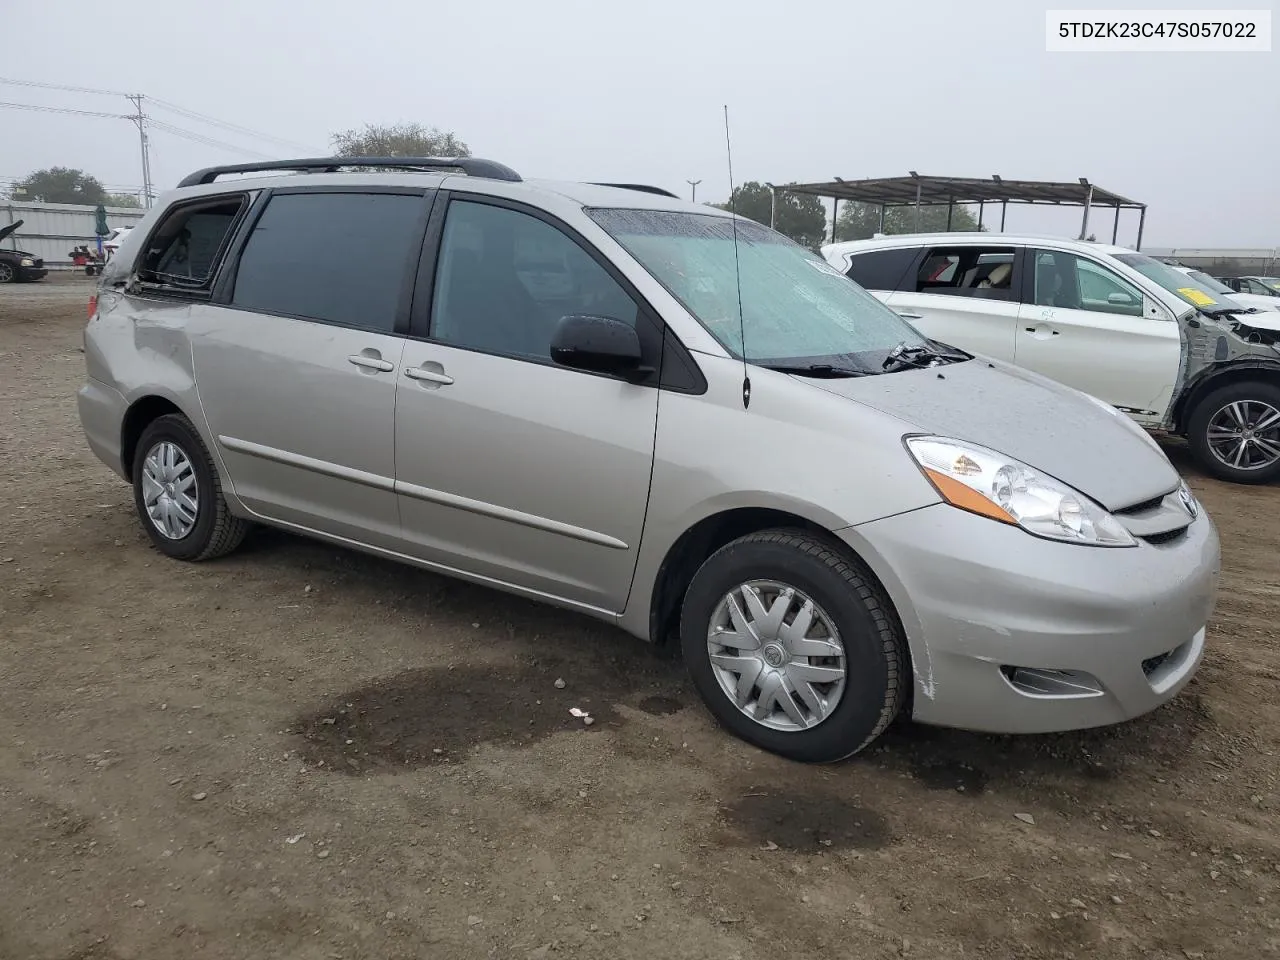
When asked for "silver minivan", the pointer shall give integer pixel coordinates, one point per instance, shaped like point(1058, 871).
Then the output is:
point(656, 414)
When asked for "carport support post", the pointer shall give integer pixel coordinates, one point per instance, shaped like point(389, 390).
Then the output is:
point(1004, 208)
point(1142, 220)
point(1088, 201)
point(882, 206)
point(1115, 227)
point(773, 205)
point(951, 206)
point(835, 215)
point(981, 204)
point(917, 205)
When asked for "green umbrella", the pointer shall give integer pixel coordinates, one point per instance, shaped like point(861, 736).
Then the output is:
point(100, 226)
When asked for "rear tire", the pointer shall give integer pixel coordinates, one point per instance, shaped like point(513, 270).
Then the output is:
point(775, 684)
point(178, 493)
point(1234, 432)
point(8, 273)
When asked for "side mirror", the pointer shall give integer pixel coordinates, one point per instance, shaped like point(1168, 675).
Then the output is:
point(600, 345)
point(1119, 299)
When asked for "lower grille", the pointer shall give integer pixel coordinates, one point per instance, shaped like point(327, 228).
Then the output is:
point(1166, 537)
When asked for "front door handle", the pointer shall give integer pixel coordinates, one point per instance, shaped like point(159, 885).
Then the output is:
point(1050, 330)
point(366, 362)
point(906, 315)
point(428, 376)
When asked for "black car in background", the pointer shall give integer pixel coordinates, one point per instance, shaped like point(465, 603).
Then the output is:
point(18, 265)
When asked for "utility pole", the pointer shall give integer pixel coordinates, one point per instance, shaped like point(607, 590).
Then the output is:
point(140, 121)
point(693, 188)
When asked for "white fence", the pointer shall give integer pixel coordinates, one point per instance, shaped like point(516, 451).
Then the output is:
point(50, 230)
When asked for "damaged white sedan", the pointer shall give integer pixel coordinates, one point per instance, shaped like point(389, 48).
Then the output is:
point(1148, 339)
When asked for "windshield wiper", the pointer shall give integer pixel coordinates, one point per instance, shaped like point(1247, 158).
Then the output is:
point(824, 371)
point(921, 356)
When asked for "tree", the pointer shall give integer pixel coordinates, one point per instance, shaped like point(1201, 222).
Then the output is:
point(398, 140)
point(60, 185)
point(799, 217)
point(857, 221)
point(121, 200)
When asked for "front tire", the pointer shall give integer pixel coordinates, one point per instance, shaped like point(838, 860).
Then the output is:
point(1234, 432)
point(8, 273)
point(793, 647)
point(178, 493)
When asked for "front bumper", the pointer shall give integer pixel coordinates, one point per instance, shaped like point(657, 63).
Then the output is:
point(1011, 633)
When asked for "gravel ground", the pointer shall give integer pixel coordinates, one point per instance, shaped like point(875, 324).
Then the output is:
point(299, 752)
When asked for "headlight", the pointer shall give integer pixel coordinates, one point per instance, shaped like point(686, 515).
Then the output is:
point(992, 485)
point(27, 262)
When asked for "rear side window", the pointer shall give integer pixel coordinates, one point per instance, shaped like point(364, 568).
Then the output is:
point(186, 248)
point(334, 257)
point(881, 269)
point(983, 272)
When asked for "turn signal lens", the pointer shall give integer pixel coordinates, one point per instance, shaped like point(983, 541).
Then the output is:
point(93, 305)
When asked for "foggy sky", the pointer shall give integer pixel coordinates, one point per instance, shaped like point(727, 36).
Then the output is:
point(606, 91)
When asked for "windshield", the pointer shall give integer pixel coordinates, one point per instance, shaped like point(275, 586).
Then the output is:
point(795, 306)
point(1184, 285)
point(1210, 284)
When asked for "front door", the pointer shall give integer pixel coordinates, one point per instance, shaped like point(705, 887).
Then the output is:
point(509, 467)
point(298, 373)
point(1090, 328)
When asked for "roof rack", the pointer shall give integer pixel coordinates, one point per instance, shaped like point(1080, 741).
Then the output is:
point(471, 166)
point(643, 188)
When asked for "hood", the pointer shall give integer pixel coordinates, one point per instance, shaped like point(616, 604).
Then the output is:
point(1262, 320)
point(10, 228)
point(1025, 416)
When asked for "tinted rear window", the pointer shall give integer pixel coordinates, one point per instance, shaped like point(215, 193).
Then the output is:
point(336, 257)
point(881, 269)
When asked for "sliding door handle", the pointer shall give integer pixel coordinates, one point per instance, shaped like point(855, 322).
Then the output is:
point(366, 362)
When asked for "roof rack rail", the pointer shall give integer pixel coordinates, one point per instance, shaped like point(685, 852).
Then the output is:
point(642, 187)
point(471, 166)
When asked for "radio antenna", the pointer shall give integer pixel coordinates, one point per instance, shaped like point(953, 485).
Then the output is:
point(737, 268)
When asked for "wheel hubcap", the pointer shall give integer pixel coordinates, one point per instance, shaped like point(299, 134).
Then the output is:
point(169, 491)
point(1245, 435)
point(777, 655)
point(6, 273)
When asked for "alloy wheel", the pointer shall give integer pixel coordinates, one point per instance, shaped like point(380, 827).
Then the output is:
point(1245, 435)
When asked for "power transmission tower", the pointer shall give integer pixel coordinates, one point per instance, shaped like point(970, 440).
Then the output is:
point(139, 119)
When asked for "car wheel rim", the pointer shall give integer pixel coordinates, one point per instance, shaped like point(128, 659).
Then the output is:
point(170, 493)
point(1245, 435)
point(777, 655)
point(6, 273)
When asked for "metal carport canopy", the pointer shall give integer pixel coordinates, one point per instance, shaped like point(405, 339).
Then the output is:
point(917, 191)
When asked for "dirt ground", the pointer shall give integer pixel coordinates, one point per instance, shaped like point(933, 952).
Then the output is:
point(300, 752)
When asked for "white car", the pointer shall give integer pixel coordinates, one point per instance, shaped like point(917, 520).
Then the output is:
point(112, 243)
point(1141, 335)
point(1252, 301)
